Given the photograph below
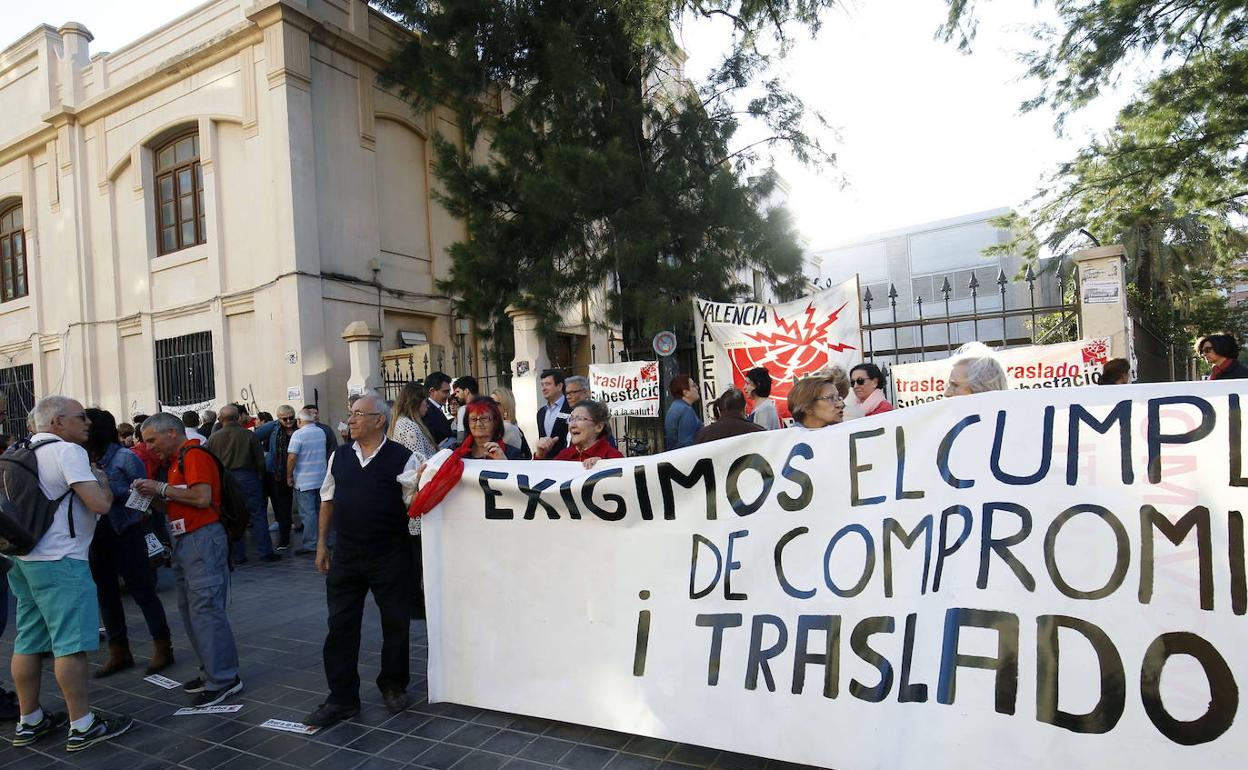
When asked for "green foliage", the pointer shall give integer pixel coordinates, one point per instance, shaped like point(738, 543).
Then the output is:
point(587, 161)
point(1169, 179)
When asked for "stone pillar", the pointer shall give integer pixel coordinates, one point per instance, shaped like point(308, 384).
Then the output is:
point(526, 369)
point(365, 357)
point(75, 42)
point(1103, 299)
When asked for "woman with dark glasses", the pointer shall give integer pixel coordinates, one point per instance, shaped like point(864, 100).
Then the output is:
point(867, 383)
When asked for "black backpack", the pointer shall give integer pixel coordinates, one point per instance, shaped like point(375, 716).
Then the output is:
point(233, 514)
point(26, 512)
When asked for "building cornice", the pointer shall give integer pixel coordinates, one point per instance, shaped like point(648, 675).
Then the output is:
point(43, 30)
point(211, 52)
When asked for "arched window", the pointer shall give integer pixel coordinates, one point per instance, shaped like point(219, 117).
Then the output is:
point(12, 254)
point(179, 195)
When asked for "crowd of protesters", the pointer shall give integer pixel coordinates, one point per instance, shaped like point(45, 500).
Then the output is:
point(130, 496)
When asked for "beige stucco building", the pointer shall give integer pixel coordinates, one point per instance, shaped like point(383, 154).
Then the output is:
point(195, 218)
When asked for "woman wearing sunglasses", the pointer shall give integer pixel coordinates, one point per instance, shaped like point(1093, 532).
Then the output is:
point(867, 399)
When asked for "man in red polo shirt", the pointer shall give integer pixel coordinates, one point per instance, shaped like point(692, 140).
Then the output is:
point(200, 554)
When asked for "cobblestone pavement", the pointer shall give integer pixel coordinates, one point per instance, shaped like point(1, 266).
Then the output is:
point(278, 613)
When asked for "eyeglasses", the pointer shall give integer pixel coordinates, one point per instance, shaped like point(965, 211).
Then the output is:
point(573, 392)
point(833, 400)
point(860, 381)
point(481, 419)
point(355, 415)
point(578, 418)
point(287, 419)
point(1206, 349)
point(75, 416)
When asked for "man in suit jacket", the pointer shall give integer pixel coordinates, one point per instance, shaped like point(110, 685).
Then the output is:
point(552, 419)
point(439, 385)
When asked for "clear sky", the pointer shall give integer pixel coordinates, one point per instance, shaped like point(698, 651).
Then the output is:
point(924, 131)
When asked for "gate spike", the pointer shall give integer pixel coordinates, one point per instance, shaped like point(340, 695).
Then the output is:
point(974, 284)
point(866, 295)
point(945, 288)
point(1029, 276)
point(892, 291)
point(1001, 279)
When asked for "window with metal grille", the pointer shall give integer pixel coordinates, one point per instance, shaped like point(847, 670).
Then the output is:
point(179, 195)
point(184, 373)
point(12, 254)
point(17, 385)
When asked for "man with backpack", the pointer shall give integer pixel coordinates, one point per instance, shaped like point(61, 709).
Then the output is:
point(240, 452)
point(52, 497)
point(200, 553)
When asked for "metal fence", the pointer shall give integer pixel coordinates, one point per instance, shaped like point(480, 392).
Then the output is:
point(1004, 312)
point(17, 384)
point(184, 369)
point(488, 367)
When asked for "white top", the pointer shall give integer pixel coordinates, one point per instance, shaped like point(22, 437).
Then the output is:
point(409, 434)
point(192, 433)
point(765, 414)
point(512, 435)
point(61, 465)
point(327, 486)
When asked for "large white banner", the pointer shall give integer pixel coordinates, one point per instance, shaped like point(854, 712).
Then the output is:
point(628, 388)
point(789, 340)
point(1026, 579)
point(1062, 365)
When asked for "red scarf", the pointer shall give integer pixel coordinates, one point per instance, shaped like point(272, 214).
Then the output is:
point(1221, 368)
point(442, 482)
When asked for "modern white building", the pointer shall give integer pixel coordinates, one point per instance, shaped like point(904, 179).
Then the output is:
point(917, 260)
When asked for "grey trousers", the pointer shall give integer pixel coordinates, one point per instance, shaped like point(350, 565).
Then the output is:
point(202, 569)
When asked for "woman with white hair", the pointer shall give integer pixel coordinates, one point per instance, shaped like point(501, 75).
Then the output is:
point(975, 370)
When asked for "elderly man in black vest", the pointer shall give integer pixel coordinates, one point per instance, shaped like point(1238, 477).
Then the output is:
point(363, 501)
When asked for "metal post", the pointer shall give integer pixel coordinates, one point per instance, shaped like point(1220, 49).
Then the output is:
point(945, 288)
point(974, 287)
point(866, 297)
point(918, 300)
point(892, 298)
point(1001, 281)
point(1030, 278)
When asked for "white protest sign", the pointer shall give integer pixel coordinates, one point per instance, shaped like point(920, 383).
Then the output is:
point(789, 340)
point(885, 593)
point(628, 388)
point(1061, 365)
point(191, 710)
point(161, 681)
point(289, 727)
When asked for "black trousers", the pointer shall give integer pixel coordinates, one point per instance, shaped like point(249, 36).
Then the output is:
point(283, 498)
point(116, 557)
point(353, 573)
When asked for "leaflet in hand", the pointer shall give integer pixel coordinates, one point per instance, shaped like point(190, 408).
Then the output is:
point(138, 501)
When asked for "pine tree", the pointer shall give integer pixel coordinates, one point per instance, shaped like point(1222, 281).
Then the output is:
point(588, 161)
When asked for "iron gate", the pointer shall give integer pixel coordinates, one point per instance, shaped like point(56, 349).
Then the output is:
point(1008, 315)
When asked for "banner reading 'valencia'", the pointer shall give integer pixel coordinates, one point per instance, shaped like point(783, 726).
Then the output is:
point(790, 340)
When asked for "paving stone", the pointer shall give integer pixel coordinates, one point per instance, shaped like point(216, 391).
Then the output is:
point(280, 650)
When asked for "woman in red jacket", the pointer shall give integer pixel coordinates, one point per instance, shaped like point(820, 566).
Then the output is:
point(588, 432)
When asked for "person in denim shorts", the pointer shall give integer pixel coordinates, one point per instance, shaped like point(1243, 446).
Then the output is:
point(57, 607)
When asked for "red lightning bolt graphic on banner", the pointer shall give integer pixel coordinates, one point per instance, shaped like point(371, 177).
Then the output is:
point(797, 348)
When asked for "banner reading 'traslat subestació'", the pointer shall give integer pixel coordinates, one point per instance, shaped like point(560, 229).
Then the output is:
point(1028, 579)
